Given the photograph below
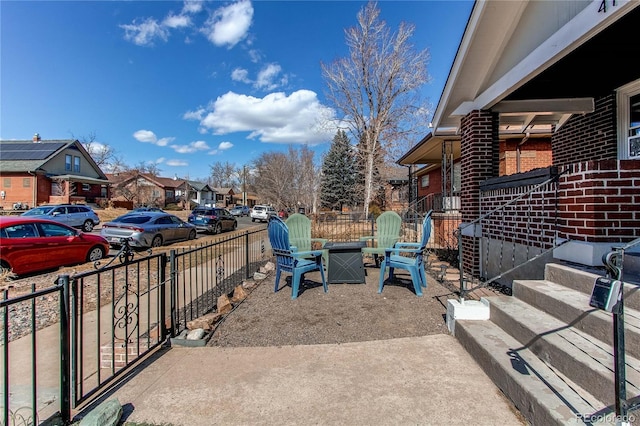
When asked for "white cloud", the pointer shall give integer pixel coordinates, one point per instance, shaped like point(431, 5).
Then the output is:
point(194, 115)
point(160, 160)
point(176, 21)
point(224, 146)
point(266, 77)
point(147, 136)
point(255, 56)
point(177, 163)
point(144, 33)
point(192, 6)
point(230, 24)
point(191, 148)
point(297, 118)
point(240, 74)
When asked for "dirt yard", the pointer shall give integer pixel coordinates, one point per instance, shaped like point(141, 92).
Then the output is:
point(347, 313)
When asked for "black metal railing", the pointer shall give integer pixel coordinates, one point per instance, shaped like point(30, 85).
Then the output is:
point(104, 321)
point(507, 238)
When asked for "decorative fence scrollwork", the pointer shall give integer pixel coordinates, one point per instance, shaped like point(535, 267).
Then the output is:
point(125, 314)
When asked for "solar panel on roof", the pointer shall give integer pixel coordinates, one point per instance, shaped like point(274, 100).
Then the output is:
point(28, 150)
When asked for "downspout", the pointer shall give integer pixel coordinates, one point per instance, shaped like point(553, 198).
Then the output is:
point(34, 195)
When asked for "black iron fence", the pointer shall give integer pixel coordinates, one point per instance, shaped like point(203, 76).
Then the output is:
point(63, 345)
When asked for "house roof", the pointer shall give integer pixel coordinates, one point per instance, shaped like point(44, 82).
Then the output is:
point(124, 177)
point(29, 156)
point(520, 60)
point(224, 191)
point(199, 186)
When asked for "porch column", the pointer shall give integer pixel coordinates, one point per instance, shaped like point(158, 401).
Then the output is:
point(480, 149)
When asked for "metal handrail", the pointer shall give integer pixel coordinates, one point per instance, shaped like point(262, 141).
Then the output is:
point(463, 290)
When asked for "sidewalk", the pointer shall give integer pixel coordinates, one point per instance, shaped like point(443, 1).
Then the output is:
point(425, 380)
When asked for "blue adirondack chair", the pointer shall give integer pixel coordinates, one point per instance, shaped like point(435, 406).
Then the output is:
point(297, 263)
point(412, 261)
point(388, 226)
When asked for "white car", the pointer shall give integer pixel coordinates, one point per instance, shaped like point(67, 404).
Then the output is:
point(262, 213)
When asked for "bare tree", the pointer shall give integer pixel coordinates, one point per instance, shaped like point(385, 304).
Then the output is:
point(225, 175)
point(104, 155)
point(376, 88)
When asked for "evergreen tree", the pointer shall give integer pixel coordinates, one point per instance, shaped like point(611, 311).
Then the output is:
point(337, 187)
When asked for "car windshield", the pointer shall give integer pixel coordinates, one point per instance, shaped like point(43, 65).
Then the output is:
point(137, 219)
point(36, 211)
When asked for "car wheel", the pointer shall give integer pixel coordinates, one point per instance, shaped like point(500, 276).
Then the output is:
point(4, 268)
point(157, 241)
point(253, 219)
point(219, 228)
point(87, 226)
point(96, 253)
point(235, 225)
point(192, 234)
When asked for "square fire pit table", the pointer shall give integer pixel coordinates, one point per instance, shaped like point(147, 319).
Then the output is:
point(345, 262)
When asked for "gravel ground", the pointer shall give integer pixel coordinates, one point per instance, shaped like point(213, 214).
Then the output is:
point(347, 313)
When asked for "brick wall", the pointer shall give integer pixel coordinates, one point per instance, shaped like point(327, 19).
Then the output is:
point(534, 154)
point(13, 185)
point(599, 201)
point(588, 137)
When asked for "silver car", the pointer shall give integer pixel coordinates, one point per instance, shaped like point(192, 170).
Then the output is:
point(78, 216)
point(147, 229)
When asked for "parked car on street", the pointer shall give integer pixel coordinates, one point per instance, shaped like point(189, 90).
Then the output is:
point(31, 244)
point(147, 209)
point(147, 229)
point(240, 211)
point(213, 220)
point(262, 213)
point(76, 215)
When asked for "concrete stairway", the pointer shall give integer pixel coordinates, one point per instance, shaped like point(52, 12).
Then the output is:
point(550, 352)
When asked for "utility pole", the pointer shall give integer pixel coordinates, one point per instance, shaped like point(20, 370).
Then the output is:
point(244, 185)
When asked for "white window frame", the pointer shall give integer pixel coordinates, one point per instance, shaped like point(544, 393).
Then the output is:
point(424, 181)
point(624, 95)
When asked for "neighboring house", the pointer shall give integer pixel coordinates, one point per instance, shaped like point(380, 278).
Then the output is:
point(145, 189)
point(198, 192)
point(225, 197)
point(48, 172)
point(558, 75)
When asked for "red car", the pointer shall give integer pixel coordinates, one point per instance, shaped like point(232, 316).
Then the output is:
point(30, 245)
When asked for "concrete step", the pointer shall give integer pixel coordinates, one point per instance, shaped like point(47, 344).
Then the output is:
point(572, 307)
point(582, 281)
point(582, 358)
point(541, 394)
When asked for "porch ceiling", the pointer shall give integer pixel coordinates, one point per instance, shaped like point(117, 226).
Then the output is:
point(429, 151)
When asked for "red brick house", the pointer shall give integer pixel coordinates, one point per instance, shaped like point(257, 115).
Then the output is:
point(48, 172)
point(542, 92)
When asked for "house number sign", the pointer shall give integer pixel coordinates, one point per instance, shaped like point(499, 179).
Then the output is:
point(603, 5)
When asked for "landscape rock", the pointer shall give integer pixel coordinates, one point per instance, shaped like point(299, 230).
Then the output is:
point(224, 306)
point(238, 294)
point(259, 276)
point(196, 334)
point(269, 267)
point(205, 322)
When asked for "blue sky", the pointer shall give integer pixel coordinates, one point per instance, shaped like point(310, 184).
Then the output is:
point(188, 84)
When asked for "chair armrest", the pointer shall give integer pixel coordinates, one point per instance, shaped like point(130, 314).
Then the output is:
point(367, 238)
point(387, 252)
point(314, 253)
point(294, 249)
point(406, 245)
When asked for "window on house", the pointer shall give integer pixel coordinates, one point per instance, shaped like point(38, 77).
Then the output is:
point(76, 164)
point(86, 187)
point(103, 191)
point(629, 121)
point(424, 181)
point(6, 182)
point(67, 162)
point(169, 194)
point(155, 193)
point(26, 182)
